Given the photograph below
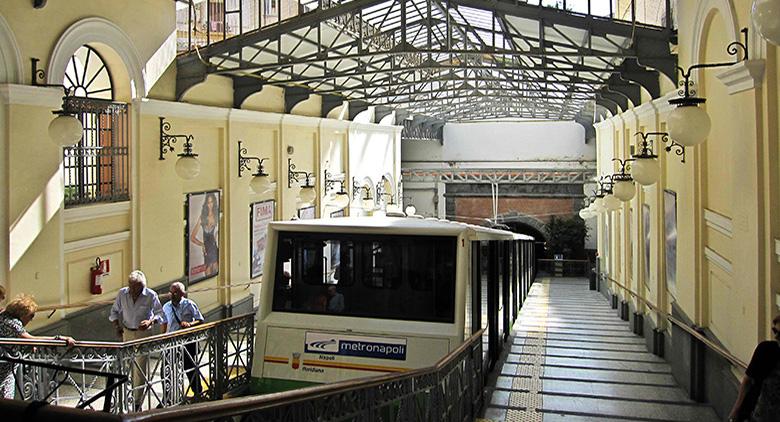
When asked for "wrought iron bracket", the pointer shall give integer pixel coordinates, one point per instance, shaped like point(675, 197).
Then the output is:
point(356, 188)
point(625, 167)
point(293, 176)
point(244, 160)
point(687, 93)
point(167, 140)
point(329, 182)
point(646, 147)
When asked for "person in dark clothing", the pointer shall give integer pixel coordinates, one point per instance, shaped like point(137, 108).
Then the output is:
point(759, 393)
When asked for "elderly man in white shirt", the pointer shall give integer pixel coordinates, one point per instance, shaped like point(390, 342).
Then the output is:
point(135, 311)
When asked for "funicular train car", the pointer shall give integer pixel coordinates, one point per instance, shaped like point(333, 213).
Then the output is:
point(352, 297)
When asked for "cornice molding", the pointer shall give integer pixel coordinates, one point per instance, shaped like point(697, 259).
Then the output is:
point(74, 215)
point(719, 222)
point(30, 95)
point(182, 110)
point(251, 116)
point(94, 242)
point(743, 76)
point(297, 120)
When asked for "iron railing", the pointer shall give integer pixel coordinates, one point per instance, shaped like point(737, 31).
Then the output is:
point(451, 390)
point(201, 363)
point(564, 267)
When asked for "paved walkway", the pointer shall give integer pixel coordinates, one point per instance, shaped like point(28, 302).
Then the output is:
point(573, 359)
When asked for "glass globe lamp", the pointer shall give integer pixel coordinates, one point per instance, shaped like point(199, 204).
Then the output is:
point(307, 195)
point(410, 210)
point(339, 200)
point(766, 19)
point(645, 171)
point(689, 125)
point(187, 166)
point(624, 190)
point(611, 203)
point(368, 203)
point(261, 183)
point(598, 205)
point(66, 130)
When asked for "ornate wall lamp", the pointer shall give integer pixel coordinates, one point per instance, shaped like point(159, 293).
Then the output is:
point(623, 184)
point(605, 198)
point(688, 124)
point(766, 18)
point(645, 168)
point(66, 130)
point(367, 202)
point(341, 198)
point(588, 211)
point(308, 193)
point(261, 182)
point(187, 166)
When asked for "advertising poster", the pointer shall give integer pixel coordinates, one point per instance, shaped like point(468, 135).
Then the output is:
point(646, 229)
point(262, 213)
point(670, 236)
point(306, 213)
point(202, 252)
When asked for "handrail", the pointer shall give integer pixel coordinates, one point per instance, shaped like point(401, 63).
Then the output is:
point(16, 341)
point(233, 406)
point(86, 304)
point(709, 343)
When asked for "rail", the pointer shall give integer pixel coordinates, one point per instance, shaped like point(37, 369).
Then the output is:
point(565, 267)
point(201, 363)
point(683, 326)
point(450, 390)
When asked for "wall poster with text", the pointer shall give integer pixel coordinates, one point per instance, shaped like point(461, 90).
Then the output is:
point(307, 213)
point(670, 238)
point(202, 234)
point(261, 213)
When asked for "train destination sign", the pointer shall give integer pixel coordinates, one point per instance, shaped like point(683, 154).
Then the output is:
point(368, 347)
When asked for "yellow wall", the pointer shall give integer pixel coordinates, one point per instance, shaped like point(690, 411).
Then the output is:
point(49, 250)
point(727, 189)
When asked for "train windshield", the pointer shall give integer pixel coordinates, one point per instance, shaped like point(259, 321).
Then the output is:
point(377, 276)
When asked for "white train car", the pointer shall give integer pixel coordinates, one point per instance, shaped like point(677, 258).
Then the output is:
point(352, 297)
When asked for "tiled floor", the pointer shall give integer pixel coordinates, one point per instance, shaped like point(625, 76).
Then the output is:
point(573, 359)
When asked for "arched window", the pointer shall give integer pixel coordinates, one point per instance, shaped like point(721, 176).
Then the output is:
point(96, 169)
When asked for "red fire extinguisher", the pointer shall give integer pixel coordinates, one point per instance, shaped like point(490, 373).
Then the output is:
point(97, 273)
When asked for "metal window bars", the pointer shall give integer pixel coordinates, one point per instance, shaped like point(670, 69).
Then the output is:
point(97, 168)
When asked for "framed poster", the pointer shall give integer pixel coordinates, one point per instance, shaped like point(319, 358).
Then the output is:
point(670, 238)
point(306, 213)
point(646, 233)
point(202, 234)
point(260, 214)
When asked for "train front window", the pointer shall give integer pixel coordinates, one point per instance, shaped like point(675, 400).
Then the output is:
point(381, 276)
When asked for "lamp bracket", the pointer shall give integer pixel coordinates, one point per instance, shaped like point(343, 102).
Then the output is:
point(686, 92)
point(605, 185)
point(356, 188)
point(293, 176)
point(646, 150)
point(330, 181)
point(244, 160)
point(167, 140)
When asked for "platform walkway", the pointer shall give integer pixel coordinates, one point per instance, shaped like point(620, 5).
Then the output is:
point(571, 358)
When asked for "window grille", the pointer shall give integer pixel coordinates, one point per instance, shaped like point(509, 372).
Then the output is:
point(97, 168)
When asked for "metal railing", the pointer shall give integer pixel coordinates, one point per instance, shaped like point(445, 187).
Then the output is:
point(201, 363)
point(564, 267)
point(734, 360)
point(451, 390)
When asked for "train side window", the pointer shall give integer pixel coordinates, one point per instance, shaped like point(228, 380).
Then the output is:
point(382, 265)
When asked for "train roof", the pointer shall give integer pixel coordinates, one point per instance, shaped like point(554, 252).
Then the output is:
point(396, 225)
